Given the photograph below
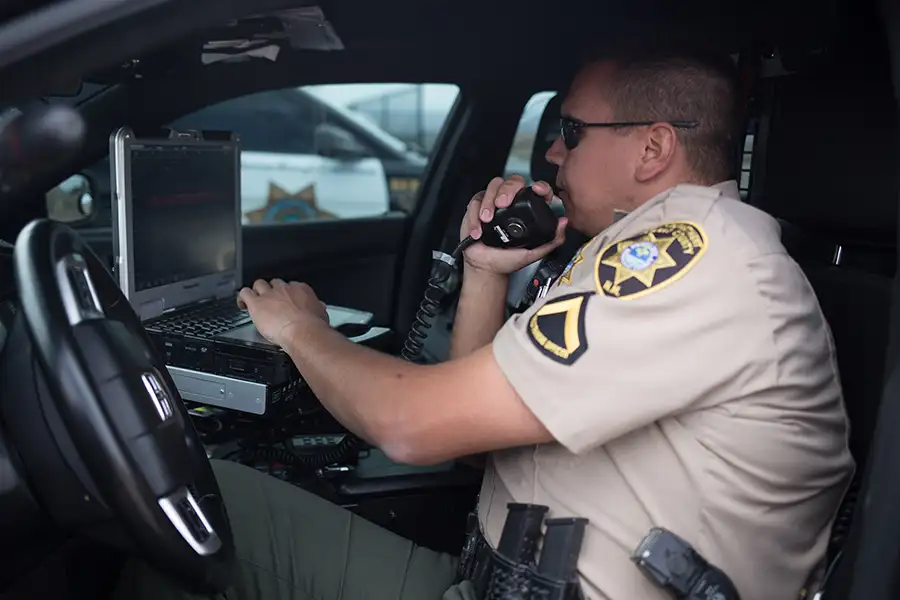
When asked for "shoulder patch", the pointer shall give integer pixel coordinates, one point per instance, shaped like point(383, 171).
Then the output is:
point(557, 328)
point(649, 261)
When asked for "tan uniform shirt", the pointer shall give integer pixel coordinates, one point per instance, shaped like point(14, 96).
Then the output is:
point(686, 371)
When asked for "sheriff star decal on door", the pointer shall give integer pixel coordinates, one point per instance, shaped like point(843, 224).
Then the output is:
point(284, 207)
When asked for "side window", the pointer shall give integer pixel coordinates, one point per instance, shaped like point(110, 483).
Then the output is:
point(331, 151)
point(261, 121)
point(519, 160)
point(308, 153)
point(747, 160)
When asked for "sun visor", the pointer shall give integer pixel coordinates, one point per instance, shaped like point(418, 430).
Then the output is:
point(263, 36)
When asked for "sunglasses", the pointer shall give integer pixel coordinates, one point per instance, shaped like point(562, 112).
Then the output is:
point(571, 130)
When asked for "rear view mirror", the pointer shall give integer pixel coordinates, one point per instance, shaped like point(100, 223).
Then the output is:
point(72, 201)
point(334, 142)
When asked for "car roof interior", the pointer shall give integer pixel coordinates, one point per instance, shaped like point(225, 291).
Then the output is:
point(822, 116)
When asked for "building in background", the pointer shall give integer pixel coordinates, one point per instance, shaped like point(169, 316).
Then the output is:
point(412, 113)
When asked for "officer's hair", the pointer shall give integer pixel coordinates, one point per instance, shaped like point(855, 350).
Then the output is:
point(677, 85)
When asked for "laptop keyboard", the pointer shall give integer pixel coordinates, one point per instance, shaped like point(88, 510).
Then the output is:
point(204, 321)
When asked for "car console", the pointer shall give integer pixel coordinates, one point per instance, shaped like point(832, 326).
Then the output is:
point(295, 439)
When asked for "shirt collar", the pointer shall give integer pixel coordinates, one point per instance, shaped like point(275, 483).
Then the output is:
point(729, 188)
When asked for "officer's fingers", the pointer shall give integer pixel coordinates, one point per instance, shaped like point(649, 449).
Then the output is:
point(261, 286)
point(472, 210)
point(505, 194)
point(490, 196)
point(471, 223)
point(542, 188)
point(245, 297)
point(277, 282)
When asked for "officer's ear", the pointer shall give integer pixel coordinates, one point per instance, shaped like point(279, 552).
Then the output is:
point(659, 146)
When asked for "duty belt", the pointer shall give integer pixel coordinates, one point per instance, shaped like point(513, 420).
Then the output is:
point(510, 572)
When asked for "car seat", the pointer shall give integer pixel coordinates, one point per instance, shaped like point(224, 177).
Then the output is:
point(826, 167)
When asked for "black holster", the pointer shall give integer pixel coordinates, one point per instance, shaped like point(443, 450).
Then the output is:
point(475, 558)
point(510, 572)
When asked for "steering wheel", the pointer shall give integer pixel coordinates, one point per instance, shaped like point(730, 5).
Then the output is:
point(120, 410)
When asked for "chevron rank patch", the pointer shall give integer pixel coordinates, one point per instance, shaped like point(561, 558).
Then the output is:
point(649, 261)
point(557, 328)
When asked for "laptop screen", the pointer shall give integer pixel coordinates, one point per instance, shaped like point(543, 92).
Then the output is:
point(183, 212)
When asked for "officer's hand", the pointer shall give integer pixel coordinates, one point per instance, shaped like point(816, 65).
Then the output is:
point(500, 194)
point(275, 306)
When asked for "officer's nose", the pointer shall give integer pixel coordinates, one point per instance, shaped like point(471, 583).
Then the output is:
point(557, 152)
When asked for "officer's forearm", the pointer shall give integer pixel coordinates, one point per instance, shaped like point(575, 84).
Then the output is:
point(480, 313)
point(416, 414)
point(363, 389)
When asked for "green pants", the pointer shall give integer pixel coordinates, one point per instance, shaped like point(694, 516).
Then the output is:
point(293, 545)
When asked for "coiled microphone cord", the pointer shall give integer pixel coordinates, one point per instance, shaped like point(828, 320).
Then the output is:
point(444, 266)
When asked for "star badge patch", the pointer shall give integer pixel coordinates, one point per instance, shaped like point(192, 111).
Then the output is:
point(557, 328)
point(566, 277)
point(649, 261)
point(283, 206)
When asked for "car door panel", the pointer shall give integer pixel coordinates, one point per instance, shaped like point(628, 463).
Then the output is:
point(348, 262)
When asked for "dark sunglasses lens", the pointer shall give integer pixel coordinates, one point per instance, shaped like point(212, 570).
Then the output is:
point(569, 133)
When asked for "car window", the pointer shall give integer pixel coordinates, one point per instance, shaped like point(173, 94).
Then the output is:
point(519, 160)
point(310, 153)
point(332, 151)
point(261, 121)
point(747, 160)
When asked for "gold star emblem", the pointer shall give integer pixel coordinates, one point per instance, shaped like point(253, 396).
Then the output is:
point(649, 261)
point(282, 205)
point(566, 278)
point(640, 258)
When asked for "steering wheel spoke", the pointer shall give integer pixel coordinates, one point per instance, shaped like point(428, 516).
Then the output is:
point(159, 395)
point(188, 518)
point(79, 295)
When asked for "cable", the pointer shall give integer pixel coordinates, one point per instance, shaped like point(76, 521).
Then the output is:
point(444, 267)
point(342, 451)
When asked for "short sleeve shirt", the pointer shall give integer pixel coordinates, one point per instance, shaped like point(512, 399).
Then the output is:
point(688, 376)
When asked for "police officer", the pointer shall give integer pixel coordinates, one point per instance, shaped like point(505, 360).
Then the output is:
point(679, 373)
